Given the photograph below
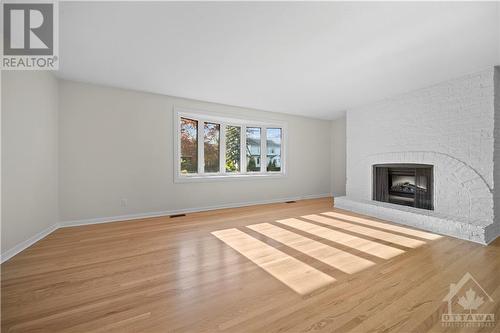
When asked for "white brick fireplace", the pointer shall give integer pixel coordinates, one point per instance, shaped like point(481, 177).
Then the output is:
point(451, 126)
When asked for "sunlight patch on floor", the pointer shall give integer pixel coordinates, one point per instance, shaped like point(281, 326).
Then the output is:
point(386, 226)
point(341, 260)
point(297, 275)
point(373, 233)
point(360, 244)
point(298, 235)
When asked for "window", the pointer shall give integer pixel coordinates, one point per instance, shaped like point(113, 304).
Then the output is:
point(273, 146)
point(217, 147)
point(233, 148)
point(189, 146)
point(253, 149)
point(212, 148)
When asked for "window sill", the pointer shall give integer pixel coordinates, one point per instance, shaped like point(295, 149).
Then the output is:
point(227, 177)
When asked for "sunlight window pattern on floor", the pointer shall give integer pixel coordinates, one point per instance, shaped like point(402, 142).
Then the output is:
point(297, 275)
point(316, 236)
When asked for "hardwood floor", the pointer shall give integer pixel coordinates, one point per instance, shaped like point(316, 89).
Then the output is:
point(299, 267)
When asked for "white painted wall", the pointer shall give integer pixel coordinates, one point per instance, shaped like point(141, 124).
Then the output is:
point(29, 155)
point(497, 145)
point(338, 155)
point(118, 144)
point(449, 125)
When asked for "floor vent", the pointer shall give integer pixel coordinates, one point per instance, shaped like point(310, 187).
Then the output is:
point(292, 201)
point(177, 215)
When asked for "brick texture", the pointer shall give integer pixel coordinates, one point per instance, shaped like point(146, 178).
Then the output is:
point(496, 231)
point(450, 125)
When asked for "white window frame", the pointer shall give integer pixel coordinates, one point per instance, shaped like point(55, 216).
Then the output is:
point(223, 120)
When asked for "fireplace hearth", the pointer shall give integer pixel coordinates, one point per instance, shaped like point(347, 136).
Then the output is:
point(404, 184)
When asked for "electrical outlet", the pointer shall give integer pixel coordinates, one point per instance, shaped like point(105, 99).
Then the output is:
point(124, 202)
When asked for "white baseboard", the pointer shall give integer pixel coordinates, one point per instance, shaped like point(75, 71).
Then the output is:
point(130, 217)
point(27, 243)
point(23, 245)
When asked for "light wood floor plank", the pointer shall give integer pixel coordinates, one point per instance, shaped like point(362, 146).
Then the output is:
point(341, 260)
point(373, 233)
point(374, 223)
point(361, 244)
point(297, 275)
point(173, 275)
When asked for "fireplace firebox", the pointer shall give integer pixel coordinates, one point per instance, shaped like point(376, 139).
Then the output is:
point(404, 184)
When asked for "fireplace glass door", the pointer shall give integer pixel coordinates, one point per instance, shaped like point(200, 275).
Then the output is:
point(403, 184)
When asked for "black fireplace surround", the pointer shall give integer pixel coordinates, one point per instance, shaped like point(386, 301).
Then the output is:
point(404, 184)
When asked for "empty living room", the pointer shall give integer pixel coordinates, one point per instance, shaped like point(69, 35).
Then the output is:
point(288, 166)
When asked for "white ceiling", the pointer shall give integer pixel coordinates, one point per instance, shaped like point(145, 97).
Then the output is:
point(306, 58)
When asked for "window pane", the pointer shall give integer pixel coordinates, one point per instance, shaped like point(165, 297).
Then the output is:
point(189, 146)
point(253, 149)
point(273, 142)
point(211, 148)
point(233, 145)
